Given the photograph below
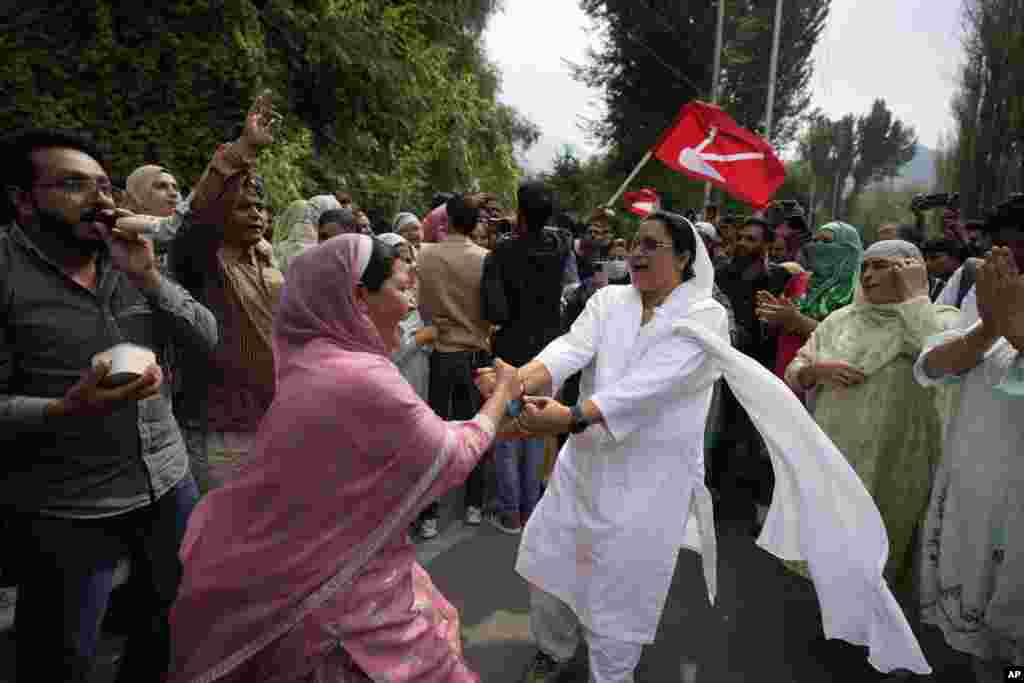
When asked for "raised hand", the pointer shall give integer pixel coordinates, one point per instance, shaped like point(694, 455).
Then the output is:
point(260, 123)
point(911, 278)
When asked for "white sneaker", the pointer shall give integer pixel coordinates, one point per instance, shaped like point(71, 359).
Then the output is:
point(473, 516)
point(428, 528)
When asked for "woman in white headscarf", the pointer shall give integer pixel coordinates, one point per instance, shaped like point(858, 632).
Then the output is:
point(628, 488)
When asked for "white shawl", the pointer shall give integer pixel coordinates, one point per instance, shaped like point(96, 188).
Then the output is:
point(820, 513)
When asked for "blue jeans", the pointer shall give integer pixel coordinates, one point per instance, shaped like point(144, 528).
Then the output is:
point(517, 466)
point(65, 572)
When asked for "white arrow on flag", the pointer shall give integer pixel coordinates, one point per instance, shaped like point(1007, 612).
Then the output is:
point(695, 160)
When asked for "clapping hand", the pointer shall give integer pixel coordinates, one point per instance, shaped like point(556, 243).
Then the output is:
point(1000, 292)
point(775, 310)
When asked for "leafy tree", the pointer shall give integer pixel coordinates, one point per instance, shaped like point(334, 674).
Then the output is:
point(391, 99)
point(884, 145)
point(864, 149)
point(658, 55)
point(989, 104)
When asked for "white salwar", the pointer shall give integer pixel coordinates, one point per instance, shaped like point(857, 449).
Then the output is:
point(605, 536)
point(972, 572)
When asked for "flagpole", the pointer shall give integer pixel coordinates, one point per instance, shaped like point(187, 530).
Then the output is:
point(773, 72)
point(715, 78)
point(625, 184)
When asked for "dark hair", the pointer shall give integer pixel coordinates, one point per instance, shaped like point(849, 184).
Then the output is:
point(536, 203)
point(910, 233)
point(463, 213)
point(343, 217)
point(120, 183)
point(767, 229)
point(944, 246)
point(439, 199)
point(17, 151)
point(683, 241)
point(1008, 214)
point(382, 262)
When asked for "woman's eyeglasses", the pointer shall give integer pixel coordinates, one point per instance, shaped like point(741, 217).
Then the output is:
point(648, 245)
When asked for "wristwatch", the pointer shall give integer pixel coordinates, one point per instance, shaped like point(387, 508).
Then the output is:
point(579, 421)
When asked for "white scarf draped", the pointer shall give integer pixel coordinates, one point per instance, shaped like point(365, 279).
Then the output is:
point(820, 512)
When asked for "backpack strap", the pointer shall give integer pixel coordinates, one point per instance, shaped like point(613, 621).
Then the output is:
point(967, 278)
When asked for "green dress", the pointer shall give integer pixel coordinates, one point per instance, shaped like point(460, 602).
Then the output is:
point(889, 427)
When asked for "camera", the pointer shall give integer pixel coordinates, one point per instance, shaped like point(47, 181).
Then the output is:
point(924, 202)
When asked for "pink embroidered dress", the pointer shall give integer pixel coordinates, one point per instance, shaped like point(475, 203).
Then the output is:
point(301, 569)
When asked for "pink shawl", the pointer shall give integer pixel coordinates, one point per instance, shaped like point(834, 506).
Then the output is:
point(340, 467)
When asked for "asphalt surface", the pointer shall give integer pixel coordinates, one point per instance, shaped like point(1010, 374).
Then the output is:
point(765, 626)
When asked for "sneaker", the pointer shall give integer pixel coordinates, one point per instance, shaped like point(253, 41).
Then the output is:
point(505, 523)
point(545, 669)
point(428, 528)
point(473, 516)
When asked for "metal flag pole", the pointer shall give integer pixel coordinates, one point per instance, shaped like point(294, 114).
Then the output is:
point(625, 184)
point(773, 72)
point(716, 78)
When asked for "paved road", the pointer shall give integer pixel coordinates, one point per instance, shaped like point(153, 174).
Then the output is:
point(765, 626)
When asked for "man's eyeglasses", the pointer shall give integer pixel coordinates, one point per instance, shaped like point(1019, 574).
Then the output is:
point(81, 185)
point(648, 245)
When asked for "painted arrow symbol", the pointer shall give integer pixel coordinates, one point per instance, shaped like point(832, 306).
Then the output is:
point(696, 160)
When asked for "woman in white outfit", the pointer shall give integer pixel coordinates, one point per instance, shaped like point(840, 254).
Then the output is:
point(622, 547)
point(628, 488)
point(972, 572)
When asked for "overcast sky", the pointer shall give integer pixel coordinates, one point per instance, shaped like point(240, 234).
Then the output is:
point(904, 51)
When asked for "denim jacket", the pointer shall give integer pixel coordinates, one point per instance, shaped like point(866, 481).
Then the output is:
point(50, 327)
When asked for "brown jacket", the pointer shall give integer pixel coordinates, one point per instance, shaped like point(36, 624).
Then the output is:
point(450, 273)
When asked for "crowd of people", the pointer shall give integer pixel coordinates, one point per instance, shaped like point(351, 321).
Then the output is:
point(317, 383)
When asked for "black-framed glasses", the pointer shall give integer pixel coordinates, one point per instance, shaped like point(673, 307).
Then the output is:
point(648, 245)
point(82, 185)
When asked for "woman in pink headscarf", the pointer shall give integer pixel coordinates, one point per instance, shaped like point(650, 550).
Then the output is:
point(301, 569)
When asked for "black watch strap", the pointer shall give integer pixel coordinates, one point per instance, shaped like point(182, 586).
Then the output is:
point(579, 422)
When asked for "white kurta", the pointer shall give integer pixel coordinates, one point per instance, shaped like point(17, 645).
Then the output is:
point(972, 572)
point(606, 535)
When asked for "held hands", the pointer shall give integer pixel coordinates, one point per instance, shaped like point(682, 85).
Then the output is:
point(506, 380)
point(545, 416)
point(89, 398)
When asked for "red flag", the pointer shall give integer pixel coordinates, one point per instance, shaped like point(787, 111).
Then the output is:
point(641, 202)
point(705, 143)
